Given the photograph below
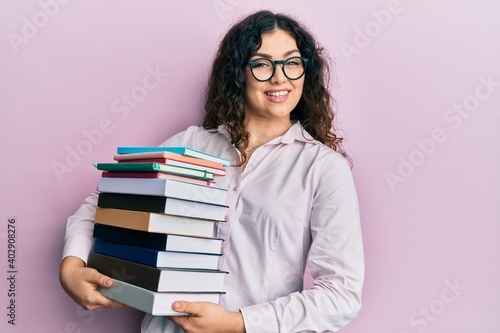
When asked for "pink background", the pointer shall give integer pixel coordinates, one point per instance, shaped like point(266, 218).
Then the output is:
point(402, 72)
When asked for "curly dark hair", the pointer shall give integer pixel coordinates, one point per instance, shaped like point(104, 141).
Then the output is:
point(225, 98)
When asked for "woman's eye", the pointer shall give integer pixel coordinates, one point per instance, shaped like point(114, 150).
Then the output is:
point(261, 65)
point(293, 63)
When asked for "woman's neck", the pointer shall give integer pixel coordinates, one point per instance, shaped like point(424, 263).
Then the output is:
point(261, 132)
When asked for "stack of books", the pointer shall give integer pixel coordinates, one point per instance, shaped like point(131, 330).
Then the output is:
point(156, 225)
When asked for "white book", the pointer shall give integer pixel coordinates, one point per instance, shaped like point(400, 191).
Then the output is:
point(158, 304)
point(164, 187)
point(195, 209)
point(157, 258)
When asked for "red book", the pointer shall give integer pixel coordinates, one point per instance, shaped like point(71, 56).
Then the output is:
point(160, 175)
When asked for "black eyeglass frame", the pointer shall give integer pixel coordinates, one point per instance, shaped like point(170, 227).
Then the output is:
point(278, 62)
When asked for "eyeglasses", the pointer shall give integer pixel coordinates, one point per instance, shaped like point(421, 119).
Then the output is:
point(263, 69)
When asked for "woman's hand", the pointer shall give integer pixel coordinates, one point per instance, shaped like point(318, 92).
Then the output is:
point(81, 283)
point(207, 317)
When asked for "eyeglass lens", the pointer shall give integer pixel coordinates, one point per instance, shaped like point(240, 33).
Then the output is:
point(263, 69)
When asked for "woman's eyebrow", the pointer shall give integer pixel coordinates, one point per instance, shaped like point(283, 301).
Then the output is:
point(264, 55)
point(291, 52)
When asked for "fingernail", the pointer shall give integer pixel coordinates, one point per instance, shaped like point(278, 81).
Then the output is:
point(176, 305)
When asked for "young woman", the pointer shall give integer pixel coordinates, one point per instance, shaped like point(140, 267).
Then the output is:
point(291, 197)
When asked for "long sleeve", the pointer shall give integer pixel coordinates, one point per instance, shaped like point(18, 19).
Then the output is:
point(79, 228)
point(294, 203)
point(78, 240)
point(335, 259)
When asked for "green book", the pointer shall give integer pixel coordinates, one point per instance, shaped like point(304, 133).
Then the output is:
point(155, 167)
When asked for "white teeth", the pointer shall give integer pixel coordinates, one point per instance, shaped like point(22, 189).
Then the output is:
point(277, 93)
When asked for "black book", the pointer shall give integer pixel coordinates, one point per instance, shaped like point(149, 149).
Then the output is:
point(158, 279)
point(158, 241)
point(164, 205)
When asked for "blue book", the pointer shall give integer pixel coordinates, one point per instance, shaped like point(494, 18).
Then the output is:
point(157, 258)
point(178, 150)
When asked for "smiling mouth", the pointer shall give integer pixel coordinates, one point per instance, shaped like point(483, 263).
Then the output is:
point(277, 94)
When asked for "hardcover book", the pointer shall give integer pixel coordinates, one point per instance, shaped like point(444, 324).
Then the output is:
point(158, 304)
point(178, 150)
point(156, 204)
point(157, 258)
point(167, 161)
point(165, 155)
point(159, 175)
point(154, 222)
point(164, 187)
point(155, 167)
point(158, 279)
point(158, 241)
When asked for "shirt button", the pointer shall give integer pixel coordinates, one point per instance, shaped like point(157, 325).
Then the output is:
point(252, 165)
point(235, 188)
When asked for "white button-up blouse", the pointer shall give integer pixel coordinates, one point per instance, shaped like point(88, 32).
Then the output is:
point(294, 203)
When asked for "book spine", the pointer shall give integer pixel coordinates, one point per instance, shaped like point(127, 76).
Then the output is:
point(155, 258)
point(157, 241)
point(159, 304)
point(140, 275)
point(165, 188)
point(132, 237)
point(154, 204)
point(136, 297)
point(136, 254)
point(178, 150)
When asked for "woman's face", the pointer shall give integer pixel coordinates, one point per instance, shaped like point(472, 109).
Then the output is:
point(273, 100)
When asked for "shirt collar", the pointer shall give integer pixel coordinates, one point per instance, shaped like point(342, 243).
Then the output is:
point(295, 132)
